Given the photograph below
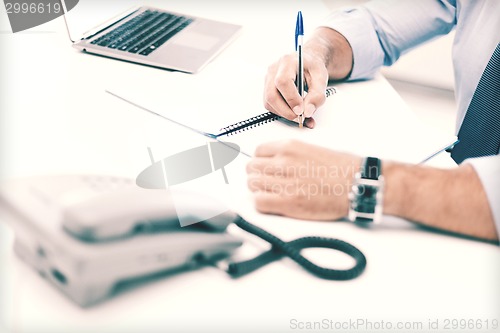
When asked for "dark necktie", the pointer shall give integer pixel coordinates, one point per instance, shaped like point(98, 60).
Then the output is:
point(479, 134)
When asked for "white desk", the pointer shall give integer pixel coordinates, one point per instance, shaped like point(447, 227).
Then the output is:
point(47, 127)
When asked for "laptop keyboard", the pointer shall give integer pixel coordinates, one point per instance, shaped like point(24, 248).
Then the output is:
point(144, 33)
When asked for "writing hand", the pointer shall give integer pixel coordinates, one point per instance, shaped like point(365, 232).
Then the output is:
point(280, 92)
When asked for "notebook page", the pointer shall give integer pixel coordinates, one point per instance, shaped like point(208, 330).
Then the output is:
point(207, 101)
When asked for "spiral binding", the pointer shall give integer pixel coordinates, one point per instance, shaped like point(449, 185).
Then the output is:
point(330, 91)
point(258, 120)
point(248, 124)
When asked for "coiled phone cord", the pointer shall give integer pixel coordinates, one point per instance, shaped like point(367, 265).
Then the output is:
point(292, 250)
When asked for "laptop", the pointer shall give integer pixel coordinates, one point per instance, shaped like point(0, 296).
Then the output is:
point(149, 36)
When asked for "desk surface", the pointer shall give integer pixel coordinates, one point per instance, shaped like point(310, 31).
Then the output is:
point(56, 118)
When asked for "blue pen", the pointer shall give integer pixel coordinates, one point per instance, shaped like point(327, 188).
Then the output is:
point(299, 36)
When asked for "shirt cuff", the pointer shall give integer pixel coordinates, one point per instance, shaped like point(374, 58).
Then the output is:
point(355, 24)
point(488, 170)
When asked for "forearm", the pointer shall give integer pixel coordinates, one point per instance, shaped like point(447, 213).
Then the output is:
point(451, 200)
point(333, 50)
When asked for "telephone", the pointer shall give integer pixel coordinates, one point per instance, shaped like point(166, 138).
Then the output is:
point(87, 233)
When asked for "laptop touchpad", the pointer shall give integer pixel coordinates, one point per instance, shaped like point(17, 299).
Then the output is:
point(196, 40)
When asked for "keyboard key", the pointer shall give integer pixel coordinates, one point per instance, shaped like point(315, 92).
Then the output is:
point(144, 33)
point(166, 35)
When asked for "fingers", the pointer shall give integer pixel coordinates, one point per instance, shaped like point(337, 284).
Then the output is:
point(270, 149)
point(297, 179)
point(317, 81)
point(267, 149)
point(285, 83)
point(308, 122)
point(269, 191)
point(274, 195)
point(261, 166)
point(270, 183)
point(270, 203)
point(281, 196)
point(280, 93)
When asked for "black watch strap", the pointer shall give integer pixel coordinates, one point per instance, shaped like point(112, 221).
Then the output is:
point(366, 193)
point(371, 168)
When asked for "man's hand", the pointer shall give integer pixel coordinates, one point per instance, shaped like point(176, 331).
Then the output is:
point(280, 93)
point(327, 56)
point(300, 180)
point(304, 181)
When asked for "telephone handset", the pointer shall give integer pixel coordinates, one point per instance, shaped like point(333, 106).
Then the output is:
point(124, 213)
point(88, 233)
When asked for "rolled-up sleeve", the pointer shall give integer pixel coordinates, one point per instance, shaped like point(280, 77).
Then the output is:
point(488, 170)
point(380, 31)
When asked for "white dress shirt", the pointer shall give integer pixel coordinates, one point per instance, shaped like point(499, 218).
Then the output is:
point(380, 31)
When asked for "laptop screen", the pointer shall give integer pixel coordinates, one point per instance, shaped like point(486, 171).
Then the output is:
point(88, 15)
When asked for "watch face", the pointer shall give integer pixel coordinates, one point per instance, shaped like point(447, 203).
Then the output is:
point(368, 191)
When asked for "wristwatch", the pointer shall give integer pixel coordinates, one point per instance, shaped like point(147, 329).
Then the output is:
point(366, 194)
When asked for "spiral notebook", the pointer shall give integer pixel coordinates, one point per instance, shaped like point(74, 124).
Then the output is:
point(223, 133)
point(247, 124)
point(258, 120)
point(217, 134)
point(218, 103)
